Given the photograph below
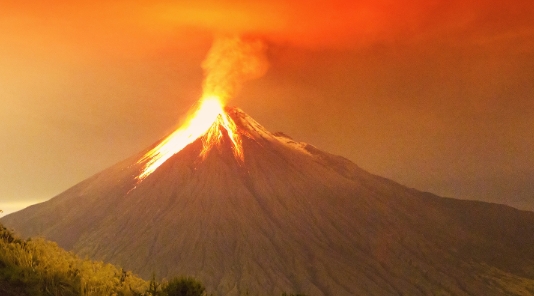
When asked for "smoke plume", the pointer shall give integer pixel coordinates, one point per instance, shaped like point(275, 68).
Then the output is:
point(231, 61)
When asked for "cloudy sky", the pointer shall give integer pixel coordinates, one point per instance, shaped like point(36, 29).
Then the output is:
point(436, 95)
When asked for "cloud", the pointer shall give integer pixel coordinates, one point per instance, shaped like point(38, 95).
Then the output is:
point(142, 25)
point(352, 23)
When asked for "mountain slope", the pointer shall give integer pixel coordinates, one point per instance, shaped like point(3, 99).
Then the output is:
point(288, 218)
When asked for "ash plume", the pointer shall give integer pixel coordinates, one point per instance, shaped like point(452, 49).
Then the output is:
point(230, 62)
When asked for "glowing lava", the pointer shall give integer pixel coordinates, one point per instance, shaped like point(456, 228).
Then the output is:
point(231, 61)
point(209, 122)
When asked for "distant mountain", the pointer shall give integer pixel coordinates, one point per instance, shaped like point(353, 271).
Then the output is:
point(289, 217)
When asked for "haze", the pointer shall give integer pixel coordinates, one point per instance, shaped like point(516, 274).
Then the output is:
point(437, 96)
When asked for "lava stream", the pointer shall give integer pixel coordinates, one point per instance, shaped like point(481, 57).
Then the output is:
point(209, 122)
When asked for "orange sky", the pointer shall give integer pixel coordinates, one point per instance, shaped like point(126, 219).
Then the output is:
point(437, 95)
point(143, 25)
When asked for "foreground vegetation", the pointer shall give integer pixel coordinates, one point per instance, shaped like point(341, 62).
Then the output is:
point(39, 267)
point(36, 267)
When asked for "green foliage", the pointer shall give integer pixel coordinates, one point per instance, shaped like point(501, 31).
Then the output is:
point(39, 267)
point(153, 287)
point(184, 286)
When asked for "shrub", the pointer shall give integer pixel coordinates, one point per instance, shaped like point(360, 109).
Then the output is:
point(184, 286)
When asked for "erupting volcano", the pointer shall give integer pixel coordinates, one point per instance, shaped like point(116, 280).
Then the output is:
point(208, 122)
point(250, 211)
point(246, 210)
point(230, 61)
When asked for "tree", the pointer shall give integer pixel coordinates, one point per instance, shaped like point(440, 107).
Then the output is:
point(184, 286)
point(153, 286)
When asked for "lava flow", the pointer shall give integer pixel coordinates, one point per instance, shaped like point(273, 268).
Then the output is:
point(209, 121)
point(230, 61)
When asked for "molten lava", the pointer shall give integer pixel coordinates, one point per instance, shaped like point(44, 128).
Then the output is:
point(209, 122)
point(230, 61)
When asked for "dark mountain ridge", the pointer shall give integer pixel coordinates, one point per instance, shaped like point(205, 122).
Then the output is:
point(288, 218)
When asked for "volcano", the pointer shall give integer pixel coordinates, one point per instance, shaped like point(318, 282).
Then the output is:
point(286, 217)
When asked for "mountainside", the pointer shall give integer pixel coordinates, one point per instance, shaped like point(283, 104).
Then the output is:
point(288, 218)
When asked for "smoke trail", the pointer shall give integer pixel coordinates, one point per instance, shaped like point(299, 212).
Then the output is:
point(230, 62)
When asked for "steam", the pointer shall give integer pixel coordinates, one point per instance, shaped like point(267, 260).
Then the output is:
point(230, 62)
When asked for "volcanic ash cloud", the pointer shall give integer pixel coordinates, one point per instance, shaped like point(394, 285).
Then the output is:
point(230, 62)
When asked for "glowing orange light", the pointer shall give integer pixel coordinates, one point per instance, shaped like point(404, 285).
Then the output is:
point(209, 121)
point(231, 61)
point(214, 135)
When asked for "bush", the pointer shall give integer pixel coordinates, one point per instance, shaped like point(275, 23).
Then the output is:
point(184, 286)
point(39, 267)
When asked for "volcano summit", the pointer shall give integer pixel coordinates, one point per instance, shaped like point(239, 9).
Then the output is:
point(285, 217)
